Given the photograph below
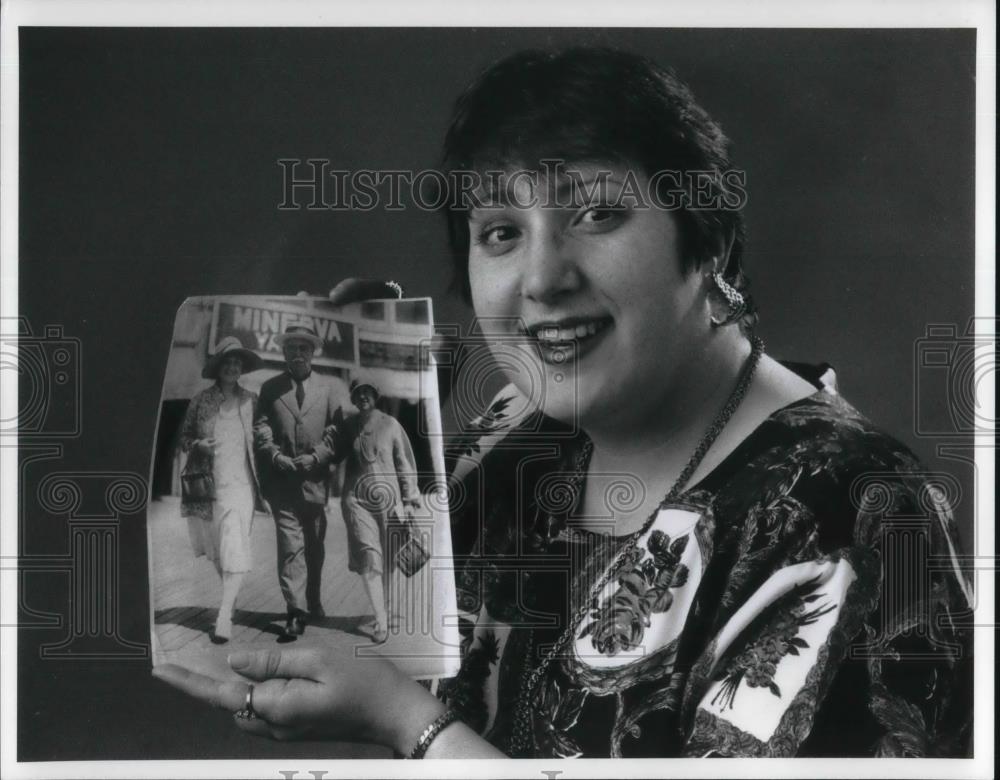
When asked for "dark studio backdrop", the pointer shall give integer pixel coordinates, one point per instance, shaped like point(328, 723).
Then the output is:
point(148, 172)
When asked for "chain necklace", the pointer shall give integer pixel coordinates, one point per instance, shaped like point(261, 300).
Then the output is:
point(520, 738)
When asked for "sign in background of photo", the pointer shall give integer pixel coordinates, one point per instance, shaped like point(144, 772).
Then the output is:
point(256, 327)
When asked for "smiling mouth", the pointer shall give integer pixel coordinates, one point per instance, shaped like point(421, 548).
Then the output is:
point(566, 340)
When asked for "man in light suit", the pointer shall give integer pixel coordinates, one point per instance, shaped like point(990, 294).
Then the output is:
point(294, 409)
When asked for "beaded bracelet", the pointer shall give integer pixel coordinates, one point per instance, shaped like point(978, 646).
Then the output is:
point(432, 731)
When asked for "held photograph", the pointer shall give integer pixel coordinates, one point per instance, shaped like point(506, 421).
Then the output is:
point(296, 488)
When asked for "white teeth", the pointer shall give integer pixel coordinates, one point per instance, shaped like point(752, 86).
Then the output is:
point(554, 334)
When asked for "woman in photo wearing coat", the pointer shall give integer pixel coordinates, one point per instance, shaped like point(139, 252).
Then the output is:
point(380, 489)
point(217, 436)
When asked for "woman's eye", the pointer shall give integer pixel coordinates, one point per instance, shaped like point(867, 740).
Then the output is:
point(496, 235)
point(603, 216)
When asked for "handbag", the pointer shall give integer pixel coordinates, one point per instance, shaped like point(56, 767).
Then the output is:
point(412, 555)
point(197, 486)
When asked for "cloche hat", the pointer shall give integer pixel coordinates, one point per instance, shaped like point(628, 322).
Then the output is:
point(230, 345)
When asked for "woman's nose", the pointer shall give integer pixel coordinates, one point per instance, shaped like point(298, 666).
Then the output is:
point(549, 271)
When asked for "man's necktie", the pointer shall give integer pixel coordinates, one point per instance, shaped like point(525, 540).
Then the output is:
point(300, 393)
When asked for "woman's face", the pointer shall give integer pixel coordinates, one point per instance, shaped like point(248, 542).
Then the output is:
point(594, 293)
point(364, 399)
point(230, 370)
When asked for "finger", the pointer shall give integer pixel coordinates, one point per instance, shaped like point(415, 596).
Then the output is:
point(258, 726)
point(224, 695)
point(285, 733)
point(261, 728)
point(352, 290)
point(266, 664)
point(301, 294)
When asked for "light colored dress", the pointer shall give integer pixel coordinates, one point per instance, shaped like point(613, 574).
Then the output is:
point(224, 536)
point(223, 540)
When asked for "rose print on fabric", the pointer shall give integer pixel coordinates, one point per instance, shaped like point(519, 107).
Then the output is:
point(776, 633)
point(645, 588)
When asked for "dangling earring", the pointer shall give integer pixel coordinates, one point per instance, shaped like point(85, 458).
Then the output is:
point(737, 303)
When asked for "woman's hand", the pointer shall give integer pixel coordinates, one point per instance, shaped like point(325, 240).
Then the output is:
point(262, 436)
point(309, 693)
point(305, 462)
point(205, 446)
point(284, 463)
point(410, 508)
point(354, 289)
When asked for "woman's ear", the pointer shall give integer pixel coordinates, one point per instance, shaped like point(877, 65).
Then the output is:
point(719, 248)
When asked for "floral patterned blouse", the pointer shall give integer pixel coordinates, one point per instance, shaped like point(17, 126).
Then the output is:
point(801, 600)
point(199, 423)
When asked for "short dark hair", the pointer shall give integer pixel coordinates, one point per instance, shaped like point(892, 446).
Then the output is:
point(591, 104)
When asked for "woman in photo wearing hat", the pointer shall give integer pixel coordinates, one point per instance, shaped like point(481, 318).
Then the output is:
point(376, 448)
point(221, 487)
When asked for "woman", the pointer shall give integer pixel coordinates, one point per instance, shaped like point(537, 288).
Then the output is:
point(380, 488)
point(731, 599)
point(217, 436)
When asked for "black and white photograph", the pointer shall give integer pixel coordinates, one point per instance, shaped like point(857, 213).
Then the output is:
point(522, 391)
point(297, 484)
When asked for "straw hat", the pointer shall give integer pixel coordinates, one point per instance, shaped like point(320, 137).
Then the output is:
point(304, 332)
point(230, 345)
